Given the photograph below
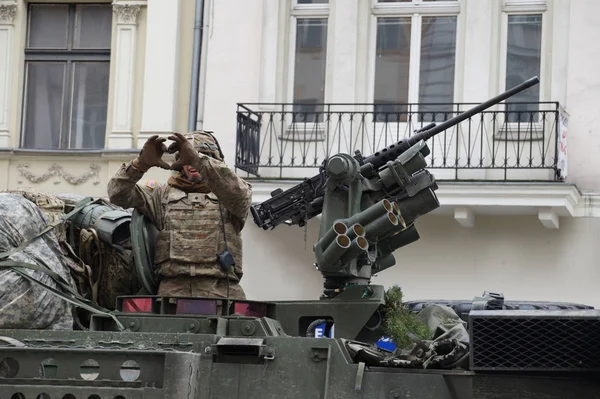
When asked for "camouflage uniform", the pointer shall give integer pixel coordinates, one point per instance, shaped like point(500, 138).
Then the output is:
point(190, 224)
point(24, 304)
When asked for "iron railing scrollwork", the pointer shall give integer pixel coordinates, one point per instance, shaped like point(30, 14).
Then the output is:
point(514, 141)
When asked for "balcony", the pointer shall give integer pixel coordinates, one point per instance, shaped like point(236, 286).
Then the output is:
point(504, 160)
point(513, 142)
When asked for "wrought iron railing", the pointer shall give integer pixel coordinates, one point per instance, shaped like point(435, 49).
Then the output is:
point(516, 141)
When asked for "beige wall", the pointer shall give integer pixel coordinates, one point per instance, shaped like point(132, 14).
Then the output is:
point(184, 61)
point(186, 43)
point(93, 169)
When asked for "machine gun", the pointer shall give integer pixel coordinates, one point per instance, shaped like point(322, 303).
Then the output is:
point(369, 204)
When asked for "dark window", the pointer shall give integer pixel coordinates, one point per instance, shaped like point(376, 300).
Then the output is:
point(523, 61)
point(436, 71)
point(309, 69)
point(67, 65)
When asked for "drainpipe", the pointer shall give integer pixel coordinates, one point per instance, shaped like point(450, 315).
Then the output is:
point(196, 65)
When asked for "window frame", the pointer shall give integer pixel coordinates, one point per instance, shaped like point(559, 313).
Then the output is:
point(526, 7)
point(304, 131)
point(415, 10)
point(305, 11)
point(67, 56)
point(514, 130)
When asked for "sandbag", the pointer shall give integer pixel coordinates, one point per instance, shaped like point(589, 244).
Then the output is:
point(24, 304)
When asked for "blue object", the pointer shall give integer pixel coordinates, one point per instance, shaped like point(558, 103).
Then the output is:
point(386, 343)
point(320, 330)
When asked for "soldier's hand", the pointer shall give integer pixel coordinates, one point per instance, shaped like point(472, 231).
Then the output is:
point(187, 152)
point(151, 154)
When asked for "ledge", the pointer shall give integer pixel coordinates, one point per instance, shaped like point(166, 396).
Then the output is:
point(465, 200)
point(84, 155)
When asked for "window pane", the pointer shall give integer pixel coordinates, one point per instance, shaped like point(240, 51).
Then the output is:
point(44, 101)
point(436, 72)
point(523, 58)
point(48, 26)
point(93, 26)
point(309, 70)
point(392, 64)
point(90, 99)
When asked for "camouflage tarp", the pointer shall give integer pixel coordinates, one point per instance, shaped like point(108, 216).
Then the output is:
point(24, 304)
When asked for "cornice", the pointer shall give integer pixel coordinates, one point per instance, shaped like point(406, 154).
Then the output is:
point(549, 201)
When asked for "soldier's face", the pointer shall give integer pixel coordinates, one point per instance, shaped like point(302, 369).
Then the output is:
point(191, 173)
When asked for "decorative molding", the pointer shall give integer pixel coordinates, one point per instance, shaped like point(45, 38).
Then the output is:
point(120, 141)
point(464, 201)
point(8, 10)
point(310, 10)
point(549, 218)
point(522, 6)
point(57, 172)
point(126, 13)
point(4, 138)
point(125, 65)
point(465, 216)
point(391, 9)
point(7, 13)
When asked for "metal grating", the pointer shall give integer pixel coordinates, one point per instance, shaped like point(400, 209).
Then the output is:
point(464, 307)
point(535, 340)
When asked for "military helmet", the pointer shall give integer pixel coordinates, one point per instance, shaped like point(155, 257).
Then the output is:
point(204, 142)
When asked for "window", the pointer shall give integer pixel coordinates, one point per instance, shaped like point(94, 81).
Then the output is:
point(523, 61)
point(415, 56)
point(309, 59)
point(67, 59)
point(523, 41)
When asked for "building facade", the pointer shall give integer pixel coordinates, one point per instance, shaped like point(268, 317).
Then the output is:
point(285, 83)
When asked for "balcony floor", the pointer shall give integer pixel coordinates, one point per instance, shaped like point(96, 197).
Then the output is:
point(466, 200)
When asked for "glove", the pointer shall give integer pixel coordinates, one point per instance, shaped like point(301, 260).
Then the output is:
point(187, 152)
point(151, 154)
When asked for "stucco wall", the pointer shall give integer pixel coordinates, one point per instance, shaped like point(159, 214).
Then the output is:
point(512, 255)
point(583, 89)
point(233, 63)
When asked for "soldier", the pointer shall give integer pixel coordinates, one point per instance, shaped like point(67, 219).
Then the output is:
point(199, 214)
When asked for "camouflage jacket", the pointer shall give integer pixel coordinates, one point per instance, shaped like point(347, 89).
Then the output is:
point(156, 200)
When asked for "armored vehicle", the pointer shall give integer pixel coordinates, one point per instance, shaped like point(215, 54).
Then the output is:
point(129, 342)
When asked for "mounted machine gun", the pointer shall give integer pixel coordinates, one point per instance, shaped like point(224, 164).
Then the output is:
point(368, 204)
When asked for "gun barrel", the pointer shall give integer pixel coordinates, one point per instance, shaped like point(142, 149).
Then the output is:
point(478, 108)
point(393, 151)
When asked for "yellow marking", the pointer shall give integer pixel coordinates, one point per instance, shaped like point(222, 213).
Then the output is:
point(151, 184)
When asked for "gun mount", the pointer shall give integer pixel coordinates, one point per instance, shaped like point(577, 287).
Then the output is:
point(368, 204)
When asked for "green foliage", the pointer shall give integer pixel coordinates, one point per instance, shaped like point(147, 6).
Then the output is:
point(399, 322)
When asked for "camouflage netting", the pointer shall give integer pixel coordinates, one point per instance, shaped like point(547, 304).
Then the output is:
point(97, 271)
point(24, 304)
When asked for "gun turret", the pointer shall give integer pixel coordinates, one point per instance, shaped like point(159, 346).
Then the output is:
point(305, 200)
point(368, 204)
